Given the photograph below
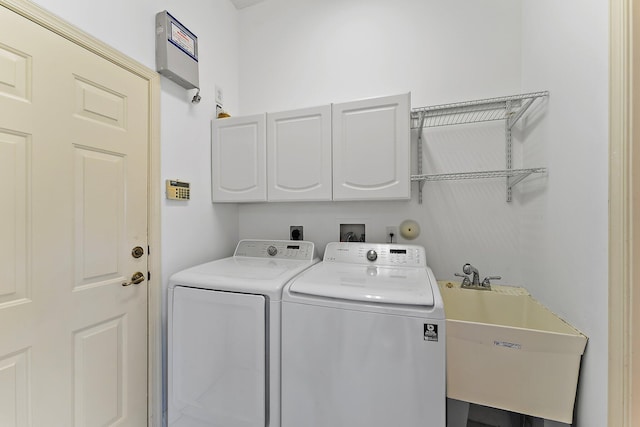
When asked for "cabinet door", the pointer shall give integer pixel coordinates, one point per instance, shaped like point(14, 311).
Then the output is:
point(371, 149)
point(238, 163)
point(299, 154)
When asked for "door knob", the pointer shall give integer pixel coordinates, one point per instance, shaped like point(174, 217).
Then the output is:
point(136, 279)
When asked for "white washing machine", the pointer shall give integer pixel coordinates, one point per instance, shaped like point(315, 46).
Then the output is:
point(363, 340)
point(224, 335)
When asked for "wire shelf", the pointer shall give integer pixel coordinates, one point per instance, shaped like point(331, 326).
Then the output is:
point(483, 110)
point(517, 174)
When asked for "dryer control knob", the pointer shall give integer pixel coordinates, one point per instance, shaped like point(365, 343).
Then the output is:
point(372, 255)
point(272, 250)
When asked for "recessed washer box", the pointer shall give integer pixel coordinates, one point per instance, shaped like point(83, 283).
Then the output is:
point(176, 51)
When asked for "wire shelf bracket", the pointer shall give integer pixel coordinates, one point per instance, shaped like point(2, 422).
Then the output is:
point(507, 108)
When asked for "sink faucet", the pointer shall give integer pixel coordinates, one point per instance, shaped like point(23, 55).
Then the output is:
point(468, 269)
point(474, 283)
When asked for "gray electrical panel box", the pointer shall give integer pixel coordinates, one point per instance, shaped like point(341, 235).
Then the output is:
point(176, 51)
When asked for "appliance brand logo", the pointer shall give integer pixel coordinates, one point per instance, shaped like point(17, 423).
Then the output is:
point(430, 332)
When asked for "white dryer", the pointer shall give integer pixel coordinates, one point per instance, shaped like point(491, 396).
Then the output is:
point(363, 340)
point(224, 335)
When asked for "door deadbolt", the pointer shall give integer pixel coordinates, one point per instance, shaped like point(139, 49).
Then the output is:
point(136, 279)
point(137, 252)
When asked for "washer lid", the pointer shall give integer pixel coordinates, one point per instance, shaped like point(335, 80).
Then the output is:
point(373, 284)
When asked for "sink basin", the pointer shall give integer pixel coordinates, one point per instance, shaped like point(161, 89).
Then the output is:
point(506, 350)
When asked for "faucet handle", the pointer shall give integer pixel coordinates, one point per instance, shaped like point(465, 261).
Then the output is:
point(487, 280)
point(467, 268)
point(465, 281)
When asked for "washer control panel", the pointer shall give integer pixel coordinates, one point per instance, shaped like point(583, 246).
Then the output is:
point(280, 249)
point(381, 254)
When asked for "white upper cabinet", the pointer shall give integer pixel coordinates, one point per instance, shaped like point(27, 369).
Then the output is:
point(351, 151)
point(238, 159)
point(371, 149)
point(299, 155)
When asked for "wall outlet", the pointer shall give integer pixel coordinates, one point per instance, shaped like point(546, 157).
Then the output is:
point(391, 235)
point(219, 96)
point(295, 232)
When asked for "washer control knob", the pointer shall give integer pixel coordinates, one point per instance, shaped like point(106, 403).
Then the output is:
point(272, 250)
point(372, 255)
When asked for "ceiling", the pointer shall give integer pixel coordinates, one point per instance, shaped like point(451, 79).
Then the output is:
point(241, 4)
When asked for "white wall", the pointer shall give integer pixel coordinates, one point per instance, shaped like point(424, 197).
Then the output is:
point(552, 237)
point(193, 231)
point(565, 233)
point(309, 52)
point(316, 52)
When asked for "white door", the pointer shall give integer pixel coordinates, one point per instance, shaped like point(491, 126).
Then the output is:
point(238, 159)
point(371, 149)
point(299, 154)
point(73, 163)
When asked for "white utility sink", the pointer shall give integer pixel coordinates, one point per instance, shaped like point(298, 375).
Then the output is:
point(506, 350)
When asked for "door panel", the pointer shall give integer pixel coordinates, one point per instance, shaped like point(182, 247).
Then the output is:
point(99, 104)
point(14, 389)
point(99, 374)
point(217, 359)
point(299, 154)
point(100, 222)
point(371, 149)
point(238, 163)
point(73, 161)
point(14, 167)
point(15, 73)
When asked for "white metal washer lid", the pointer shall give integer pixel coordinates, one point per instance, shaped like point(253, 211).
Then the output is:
point(381, 285)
